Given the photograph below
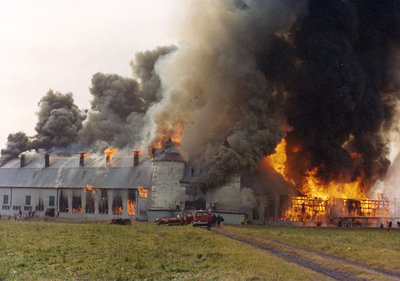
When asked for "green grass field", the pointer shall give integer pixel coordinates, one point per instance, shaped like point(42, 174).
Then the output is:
point(142, 251)
point(369, 246)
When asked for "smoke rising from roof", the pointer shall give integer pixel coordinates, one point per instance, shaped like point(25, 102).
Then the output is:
point(214, 87)
point(16, 143)
point(59, 121)
point(320, 69)
point(119, 105)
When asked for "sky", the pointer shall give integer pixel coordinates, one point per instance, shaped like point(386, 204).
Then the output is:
point(60, 44)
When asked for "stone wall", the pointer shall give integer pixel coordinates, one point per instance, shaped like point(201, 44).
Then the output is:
point(166, 189)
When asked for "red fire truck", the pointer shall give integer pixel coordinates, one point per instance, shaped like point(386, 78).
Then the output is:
point(181, 219)
point(202, 217)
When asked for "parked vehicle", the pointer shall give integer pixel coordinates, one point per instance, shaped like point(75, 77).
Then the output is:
point(182, 219)
point(121, 221)
point(202, 217)
point(50, 212)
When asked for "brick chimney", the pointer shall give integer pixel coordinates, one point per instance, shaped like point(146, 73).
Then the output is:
point(136, 155)
point(22, 161)
point(47, 160)
point(81, 159)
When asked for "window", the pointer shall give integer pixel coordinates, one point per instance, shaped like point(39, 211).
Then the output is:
point(51, 200)
point(16, 207)
point(5, 199)
point(28, 208)
point(5, 207)
point(27, 200)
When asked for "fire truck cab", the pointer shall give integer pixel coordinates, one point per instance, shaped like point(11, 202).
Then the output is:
point(202, 217)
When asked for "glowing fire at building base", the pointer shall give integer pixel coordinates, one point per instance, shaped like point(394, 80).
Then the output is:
point(307, 209)
point(332, 203)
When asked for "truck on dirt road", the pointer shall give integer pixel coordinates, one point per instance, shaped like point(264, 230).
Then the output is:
point(182, 219)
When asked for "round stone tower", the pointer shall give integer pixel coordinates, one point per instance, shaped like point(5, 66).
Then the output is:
point(168, 169)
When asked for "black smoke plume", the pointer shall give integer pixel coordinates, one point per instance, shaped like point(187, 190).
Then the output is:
point(321, 70)
point(16, 144)
point(333, 74)
point(59, 121)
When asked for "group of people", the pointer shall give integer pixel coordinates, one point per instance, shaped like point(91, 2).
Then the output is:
point(389, 225)
point(18, 216)
point(216, 221)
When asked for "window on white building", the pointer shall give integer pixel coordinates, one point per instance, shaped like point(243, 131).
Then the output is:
point(51, 200)
point(27, 200)
point(5, 199)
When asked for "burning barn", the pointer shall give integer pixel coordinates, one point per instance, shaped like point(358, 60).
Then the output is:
point(93, 186)
point(75, 186)
point(304, 91)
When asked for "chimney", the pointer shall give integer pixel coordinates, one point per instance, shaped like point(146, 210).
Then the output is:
point(153, 151)
point(22, 161)
point(136, 155)
point(81, 159)
point(47, 160)
point(108, 160)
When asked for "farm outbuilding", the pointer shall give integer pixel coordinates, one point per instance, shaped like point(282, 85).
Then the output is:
point(87, 185)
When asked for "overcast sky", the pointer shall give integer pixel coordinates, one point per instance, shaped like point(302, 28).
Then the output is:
point(60, 44)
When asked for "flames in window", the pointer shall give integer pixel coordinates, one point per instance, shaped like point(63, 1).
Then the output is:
point(143, 192)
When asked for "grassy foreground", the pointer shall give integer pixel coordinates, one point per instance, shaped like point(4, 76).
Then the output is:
point(65, 251)
point(369, 246)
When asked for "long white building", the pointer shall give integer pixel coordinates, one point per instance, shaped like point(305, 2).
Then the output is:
point(93, 186)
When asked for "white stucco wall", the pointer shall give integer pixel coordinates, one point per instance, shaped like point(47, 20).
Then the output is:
point(166, 189)
point(17, 197)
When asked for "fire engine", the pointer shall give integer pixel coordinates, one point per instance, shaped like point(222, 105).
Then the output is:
point(202, 217)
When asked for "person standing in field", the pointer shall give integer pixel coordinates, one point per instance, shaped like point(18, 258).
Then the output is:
point(218, 220)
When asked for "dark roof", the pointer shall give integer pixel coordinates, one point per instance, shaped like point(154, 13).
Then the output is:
point(168, 153)
point(66, 172)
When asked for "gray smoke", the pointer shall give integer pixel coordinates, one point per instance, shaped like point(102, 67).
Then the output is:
point(245, 69)
point(144, 68)
point(16, 144)
point(115, 100)
point(213, 86)
point(59, 121)
point(119, 104)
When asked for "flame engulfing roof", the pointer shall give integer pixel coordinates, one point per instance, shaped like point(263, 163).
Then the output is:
point(168, 153)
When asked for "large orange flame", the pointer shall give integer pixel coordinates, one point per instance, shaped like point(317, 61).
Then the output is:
point(164, 132)
point(320, 198)
point(110, 153)
point(311, 185)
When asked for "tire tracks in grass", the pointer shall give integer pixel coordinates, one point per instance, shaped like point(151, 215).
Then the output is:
point(328, 265)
